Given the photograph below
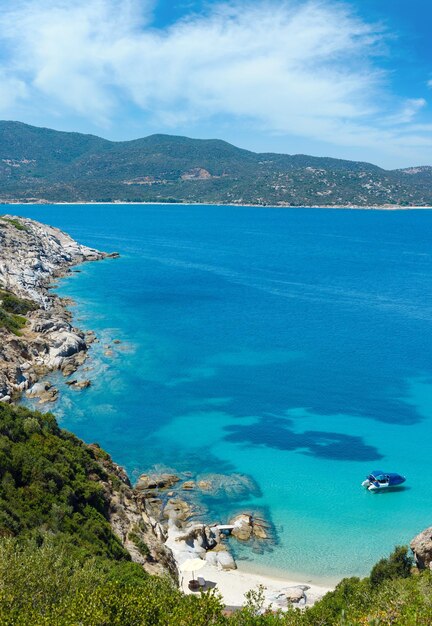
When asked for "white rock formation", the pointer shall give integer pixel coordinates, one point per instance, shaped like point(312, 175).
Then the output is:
point(31, 255)
point(29, 258)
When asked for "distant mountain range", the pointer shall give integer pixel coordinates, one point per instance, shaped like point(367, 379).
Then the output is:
point(39, 164)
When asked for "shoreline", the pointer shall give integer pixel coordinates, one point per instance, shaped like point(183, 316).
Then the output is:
point(233, 584)
point(390, 207)
point(250, 567)
point(33, 256)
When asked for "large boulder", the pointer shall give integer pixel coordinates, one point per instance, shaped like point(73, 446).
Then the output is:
point(225, 560)
point(50, 325)
point(64, 344)
point(242, 527)
point(43, 390)
point(156, 481)
point(249, 526)
point(177, 509)
point(421, 546)
point(294, 594)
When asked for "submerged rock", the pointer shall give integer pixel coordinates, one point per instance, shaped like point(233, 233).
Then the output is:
point(156, 481)
point(231, 486)
point(90, 336)
point(79, 384)
point(188, 485)
point(204, 485)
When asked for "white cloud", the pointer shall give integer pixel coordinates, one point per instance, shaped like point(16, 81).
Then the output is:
point(410, 109)
point(292, 67)
point(11, 91)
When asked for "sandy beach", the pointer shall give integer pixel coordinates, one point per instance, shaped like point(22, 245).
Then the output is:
point(233, 584)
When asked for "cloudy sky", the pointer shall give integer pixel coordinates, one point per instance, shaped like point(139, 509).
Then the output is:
point(349, 79)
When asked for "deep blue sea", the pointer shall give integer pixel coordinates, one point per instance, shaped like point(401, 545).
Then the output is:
point(290, 345)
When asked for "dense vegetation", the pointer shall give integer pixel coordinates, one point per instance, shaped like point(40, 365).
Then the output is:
point(12, 310)
point(39, 163)
point(49, 483)
point(61, 565)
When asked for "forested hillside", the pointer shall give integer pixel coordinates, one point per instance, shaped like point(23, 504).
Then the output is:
point(39, 164)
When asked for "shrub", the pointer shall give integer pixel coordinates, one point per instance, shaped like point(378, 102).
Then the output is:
point(397, 565)
point(18, 225)
point(18, 306)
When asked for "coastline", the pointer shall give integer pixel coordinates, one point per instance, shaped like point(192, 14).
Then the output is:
point(390, 207)
point(32, 256)
point(234, 584)
point(279, 592)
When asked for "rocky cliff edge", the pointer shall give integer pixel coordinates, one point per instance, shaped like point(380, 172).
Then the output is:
point(44, 339)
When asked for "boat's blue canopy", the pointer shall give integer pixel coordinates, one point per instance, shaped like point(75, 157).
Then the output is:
point(377, 473)
point(393, 478)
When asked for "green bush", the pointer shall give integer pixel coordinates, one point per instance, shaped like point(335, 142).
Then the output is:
point(46, 585)
point(12, 304)
point(18, 225)
point(45, 484)
point(397, 565)
point(12, 323)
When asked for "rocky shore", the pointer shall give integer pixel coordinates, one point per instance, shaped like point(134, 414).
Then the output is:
point(32, 255)
point(175, 501)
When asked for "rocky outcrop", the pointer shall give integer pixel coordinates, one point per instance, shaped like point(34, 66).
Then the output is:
point(44, 391)
point(79, 384)
point(295, 594)
point(133, 522)
point(31, 256)
point(156, 481)
point(178, 500)
point(421, 546)
point(249, 526)
point(202, 541)
point(196, 173)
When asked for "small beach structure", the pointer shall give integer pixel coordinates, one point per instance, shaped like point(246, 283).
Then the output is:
point(193, 565)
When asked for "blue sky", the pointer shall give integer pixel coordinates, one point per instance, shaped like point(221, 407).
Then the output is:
point(349, 79)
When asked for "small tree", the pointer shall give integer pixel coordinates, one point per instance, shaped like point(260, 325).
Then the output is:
point(397, 565)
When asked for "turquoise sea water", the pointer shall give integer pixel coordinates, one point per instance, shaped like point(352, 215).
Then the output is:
point(290, 345)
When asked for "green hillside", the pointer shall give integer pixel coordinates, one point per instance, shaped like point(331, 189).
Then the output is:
point(48, 165)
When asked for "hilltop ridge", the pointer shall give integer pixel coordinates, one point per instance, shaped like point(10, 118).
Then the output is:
point(45, 165)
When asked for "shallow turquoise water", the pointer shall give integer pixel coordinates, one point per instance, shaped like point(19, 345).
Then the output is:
point(290, 345)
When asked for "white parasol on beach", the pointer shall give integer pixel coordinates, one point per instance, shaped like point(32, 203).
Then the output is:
point(192, 565)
